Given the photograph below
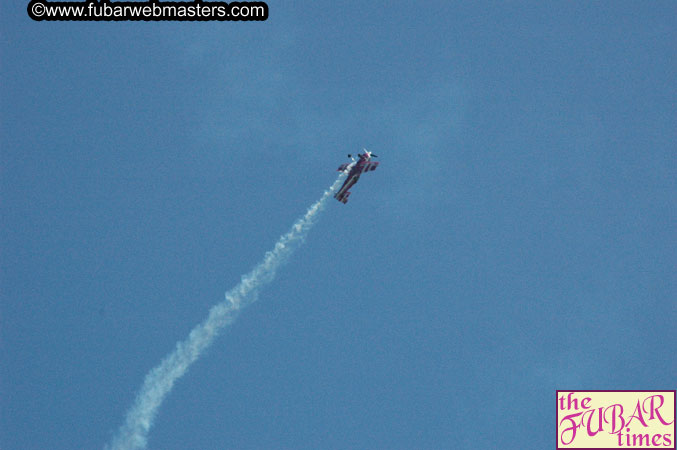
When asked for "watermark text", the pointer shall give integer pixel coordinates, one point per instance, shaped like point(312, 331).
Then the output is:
point(151, 10)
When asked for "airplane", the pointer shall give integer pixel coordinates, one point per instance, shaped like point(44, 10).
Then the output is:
point(364, 164)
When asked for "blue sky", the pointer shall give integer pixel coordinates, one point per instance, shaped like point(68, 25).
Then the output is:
point(517, 238)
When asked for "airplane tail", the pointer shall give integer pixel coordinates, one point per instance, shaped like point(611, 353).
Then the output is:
point(343, 198)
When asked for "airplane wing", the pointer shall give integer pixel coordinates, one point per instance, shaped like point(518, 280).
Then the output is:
point(371, 165)
point(343, 167)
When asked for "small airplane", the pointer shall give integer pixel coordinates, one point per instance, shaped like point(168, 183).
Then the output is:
point(364, 164)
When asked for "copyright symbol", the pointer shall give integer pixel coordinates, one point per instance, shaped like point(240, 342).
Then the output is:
point(36, 10)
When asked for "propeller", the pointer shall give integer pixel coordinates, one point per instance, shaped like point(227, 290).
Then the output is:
point(369, 154)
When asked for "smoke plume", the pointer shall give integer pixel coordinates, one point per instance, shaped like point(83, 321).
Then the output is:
point(133, 434)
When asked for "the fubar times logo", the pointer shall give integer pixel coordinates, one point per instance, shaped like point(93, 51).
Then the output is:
point(616, 420)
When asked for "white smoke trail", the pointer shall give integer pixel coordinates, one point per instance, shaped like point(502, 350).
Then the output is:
point(133, 434)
